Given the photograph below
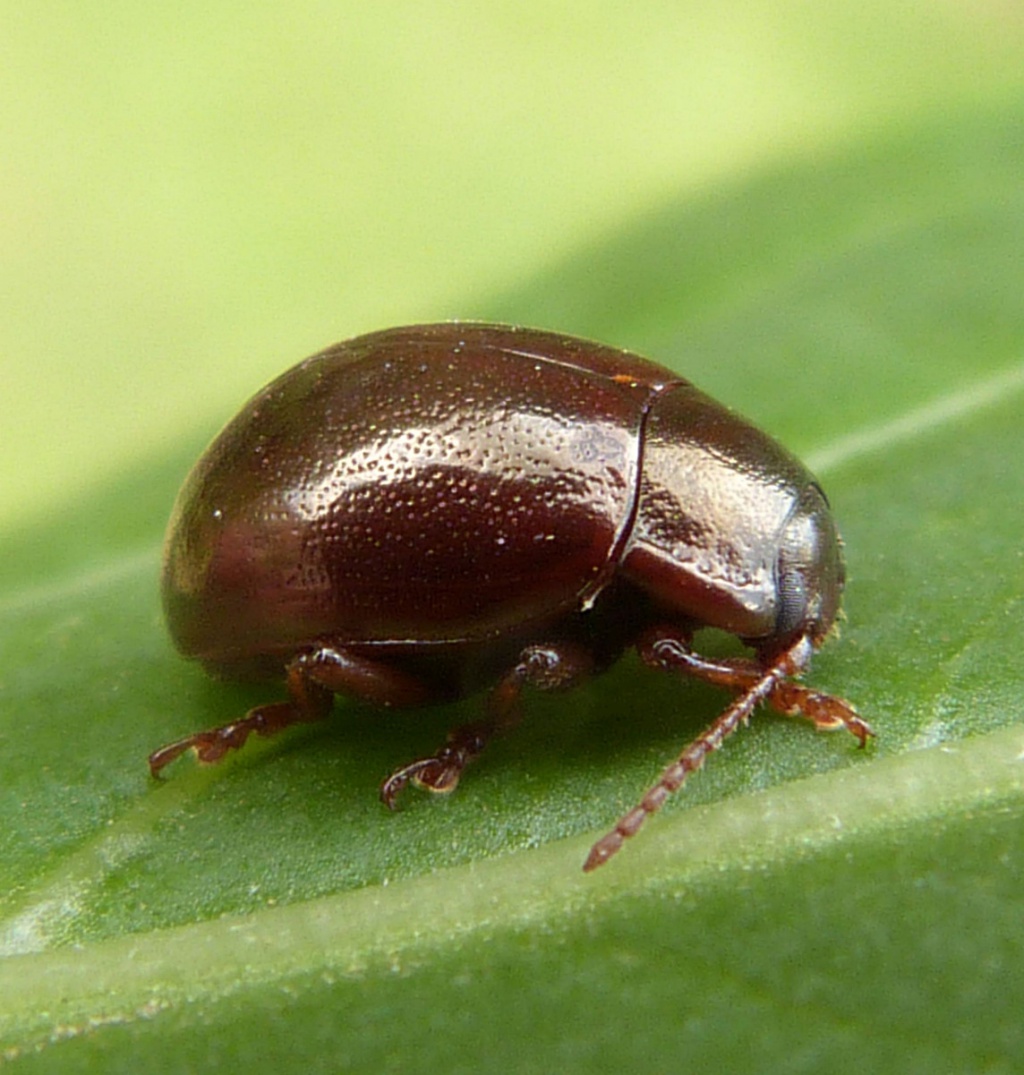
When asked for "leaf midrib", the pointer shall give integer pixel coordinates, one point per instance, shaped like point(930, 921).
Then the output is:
point(355, 931)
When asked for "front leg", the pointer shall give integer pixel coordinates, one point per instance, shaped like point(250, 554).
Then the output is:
point(757, 681)
point(670, 649)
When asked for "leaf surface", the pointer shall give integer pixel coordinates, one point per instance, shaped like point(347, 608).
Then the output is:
point(800, 906)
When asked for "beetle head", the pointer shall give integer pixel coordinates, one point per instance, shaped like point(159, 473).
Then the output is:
point(811, 574)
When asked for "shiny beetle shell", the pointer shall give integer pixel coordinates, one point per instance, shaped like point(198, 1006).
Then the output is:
point(425, 512)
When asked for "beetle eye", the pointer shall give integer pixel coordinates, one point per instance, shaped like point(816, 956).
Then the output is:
point(810, 577)
point(821, 492)
point(796, 576)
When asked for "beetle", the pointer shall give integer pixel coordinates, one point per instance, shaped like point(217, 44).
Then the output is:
point(422, 513)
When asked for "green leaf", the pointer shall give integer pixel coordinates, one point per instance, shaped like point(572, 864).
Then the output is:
point(799, 906)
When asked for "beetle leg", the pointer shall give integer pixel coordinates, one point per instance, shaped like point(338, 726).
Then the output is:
point(547, 667)
point(312, 679)
point(358, 676)
point(827, 712)
point(309, 702)
point(670, 649)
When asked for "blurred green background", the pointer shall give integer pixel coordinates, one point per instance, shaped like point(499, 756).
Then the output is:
point(817, 213)
point(197, 197)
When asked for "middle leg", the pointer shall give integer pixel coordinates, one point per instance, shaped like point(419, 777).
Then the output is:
point(551, 666)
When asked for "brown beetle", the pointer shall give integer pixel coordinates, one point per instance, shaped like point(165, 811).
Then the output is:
point(422, 513)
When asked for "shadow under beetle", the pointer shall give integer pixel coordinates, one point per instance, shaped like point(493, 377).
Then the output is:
point(422, 513)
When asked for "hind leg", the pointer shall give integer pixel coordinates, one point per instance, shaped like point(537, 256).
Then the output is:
point(313, 678)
